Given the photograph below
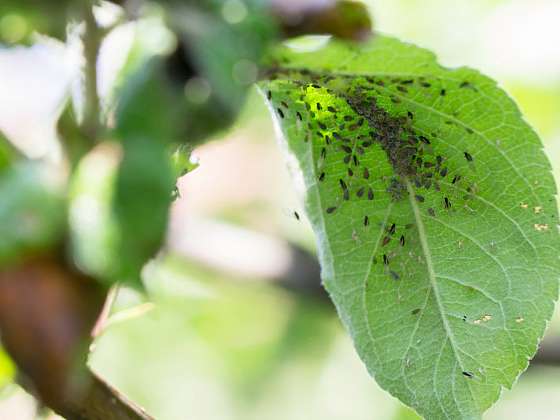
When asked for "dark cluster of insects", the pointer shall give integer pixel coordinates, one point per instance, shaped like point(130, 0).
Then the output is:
point(409, 150)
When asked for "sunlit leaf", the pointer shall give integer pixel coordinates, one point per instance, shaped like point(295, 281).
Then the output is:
point(435, 215)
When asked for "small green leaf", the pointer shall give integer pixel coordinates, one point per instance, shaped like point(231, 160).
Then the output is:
point(435, 214)
point(7, 369)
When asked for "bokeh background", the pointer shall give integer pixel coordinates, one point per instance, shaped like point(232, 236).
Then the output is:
point(220, 336)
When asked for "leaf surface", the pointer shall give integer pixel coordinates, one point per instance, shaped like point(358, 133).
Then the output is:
point(435, 215)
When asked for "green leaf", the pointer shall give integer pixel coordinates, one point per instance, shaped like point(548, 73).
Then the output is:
point(119, 203)
point(435, 215)
point(31, 210)
point(7, 369)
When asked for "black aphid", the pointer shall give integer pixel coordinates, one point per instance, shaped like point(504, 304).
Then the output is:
point(366, 173)
point(322, 126)
point(336, 135)
point(407, 82)
point(342, 184)
point(402, 240)
point(319, 107)
point(307, 106)
point(468, 156)
point(356, 161)
point(323, 153)
point(322, 176)
point(419, 198)
point(431, 212)
point(366, 143)
point(443, 172)
point(410, 115)
point(331, 210)
point(316, 86)
point(465, 84)
point(425, 84)
point(269, 95)
point(370, 194)
point(346, 195)
point(348, 118)
point(394, 275)
point(350, 172)
point(392, 229)
point(366, 220)
point(447, 203)
point(299, 116)
point(347, 158)
point(456, 178)
point(386, 240)
point(402, 89)
point(469, 130)
point(331, 109)
point(327, 140)
point(360, 192)
point(416, 311)
point(385, 259)
point(347, 149)
point(468, 374)
point(280, 112)
point(442, 92)
point(424, 140)
point(284, 104)
point(296, 215)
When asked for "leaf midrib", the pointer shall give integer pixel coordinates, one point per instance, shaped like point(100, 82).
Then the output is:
point(432, 276)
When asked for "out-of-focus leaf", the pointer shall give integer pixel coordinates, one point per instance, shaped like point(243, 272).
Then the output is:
point(31, 210)
point(8, 153)
point(144, 185)
point(20, 18)
point(7, 369)
point(435, 214)
point(219, 57)
point(118, 208)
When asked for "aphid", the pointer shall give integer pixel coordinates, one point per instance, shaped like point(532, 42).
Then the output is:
point(322, 176)
point(465, 84)
point(380, 83)
point(425, 84)
point(307, 106)
point(402, 240)
point(346, 195)
point(424, 140)
point(347, 158)
point(456, 178)
point(336, 136)
point(402, 89)
point(322, 126)
point(356, 161)
point(284, 104)
point(299, 116)
point(296, 215)
point(385, 259)
point(366, 220)
point(348, 118)
point(469, 130)
point(394, 275)
point(342, 184)
point(419, 198)
point(464, 318)
point(407, 82)
point(442, 92)
point(410, 115)
point(416, 311)
point(331, 109)
point(468, 374)
point(366, 173)
point(350, 172)
point(386, 240)
point(323, 153)
point(392, 229)
point(269, 95)
point(360, 192)
point(280, 112)
point(331, 210)
point(443, 172)
point(327, 140)
point(346, 149)
point(360, 151)
point(468, 156)
point(431, 212)
point(447, 203)
point(366, 144)
point(319, 107)
point(370, 194)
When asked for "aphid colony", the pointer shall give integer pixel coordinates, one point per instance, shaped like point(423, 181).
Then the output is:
point(362, 122)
